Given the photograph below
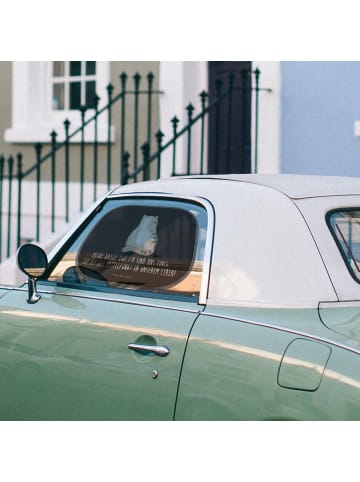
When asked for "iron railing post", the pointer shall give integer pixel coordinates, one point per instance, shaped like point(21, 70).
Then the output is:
point(159, 136)
point(190, 110)
point(150, 78)
point(146, 154)
point(96, 101)
point(257, 76)
point(19, 158)
point(53, 179)
point(123, 78)
point(38, 148)
point(110, 89)
point(67, 175)
point(137, 78)
point(10, 178)
point(175, 122)
point(82, 156)
point(203, 97)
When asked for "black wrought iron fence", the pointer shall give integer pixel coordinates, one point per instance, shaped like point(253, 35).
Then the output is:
point(224, 93)
point(142, 163)
point(60, 160)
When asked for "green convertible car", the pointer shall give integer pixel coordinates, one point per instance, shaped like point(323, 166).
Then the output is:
point(230, 297)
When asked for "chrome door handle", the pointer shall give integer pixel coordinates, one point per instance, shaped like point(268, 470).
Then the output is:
point(155, 349)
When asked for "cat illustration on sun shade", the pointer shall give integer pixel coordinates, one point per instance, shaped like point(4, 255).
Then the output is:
point(143, 239)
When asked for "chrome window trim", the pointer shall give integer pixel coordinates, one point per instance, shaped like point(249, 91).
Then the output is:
point(115, 300)
point(205, 203)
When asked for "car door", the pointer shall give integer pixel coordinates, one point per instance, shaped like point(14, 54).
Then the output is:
point(107, 338)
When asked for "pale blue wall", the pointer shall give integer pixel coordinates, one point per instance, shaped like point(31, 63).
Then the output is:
point(320, 103)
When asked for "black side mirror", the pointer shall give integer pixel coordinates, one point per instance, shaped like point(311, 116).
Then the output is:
point(32, 261)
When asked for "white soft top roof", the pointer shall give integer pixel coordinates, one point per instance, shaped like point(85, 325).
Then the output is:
point(295, 186)
point(283, 216)
point(298, 186)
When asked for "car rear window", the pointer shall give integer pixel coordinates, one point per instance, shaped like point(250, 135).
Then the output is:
point(345, 228)
point(137, 244)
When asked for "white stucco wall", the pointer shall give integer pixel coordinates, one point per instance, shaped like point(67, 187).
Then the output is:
point(269, 154)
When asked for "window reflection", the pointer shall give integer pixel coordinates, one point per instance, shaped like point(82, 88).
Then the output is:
point(58, 96)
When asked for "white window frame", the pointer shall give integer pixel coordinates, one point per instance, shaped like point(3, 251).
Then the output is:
point(33, 118)
point(66, 80)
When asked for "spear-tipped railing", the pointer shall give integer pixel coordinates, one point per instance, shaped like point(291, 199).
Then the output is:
point(144, 162)
point(224, 93)
point(59, 157)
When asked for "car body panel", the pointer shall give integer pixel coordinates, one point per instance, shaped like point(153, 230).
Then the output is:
point(67, 357)
point(342, 317)
point(252, 370)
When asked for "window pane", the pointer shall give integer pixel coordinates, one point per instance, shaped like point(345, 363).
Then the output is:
point(345, 227)
point(150, 250)
point(58, 97)
point(75, 95)
point(90, 94)
point(90, 68)
point(146, 245)
point(75, 68)
point(58, 69)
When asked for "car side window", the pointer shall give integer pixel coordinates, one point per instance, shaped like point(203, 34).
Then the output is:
point(345, 227)
point(154, 245)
